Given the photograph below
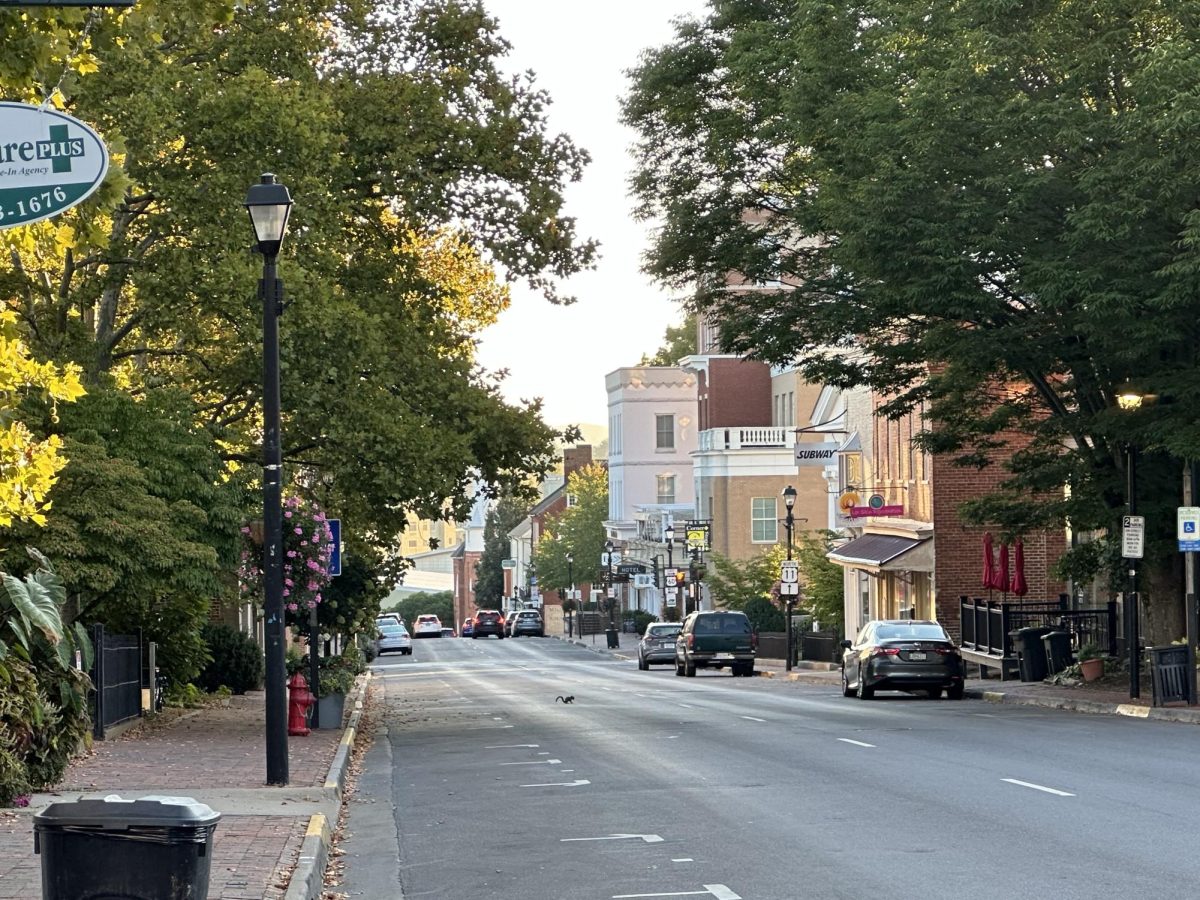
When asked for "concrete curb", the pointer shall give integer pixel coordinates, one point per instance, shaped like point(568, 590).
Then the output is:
point(1186, 715)
point(308, 878)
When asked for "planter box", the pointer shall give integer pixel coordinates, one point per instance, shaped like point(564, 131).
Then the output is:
point(330, 710)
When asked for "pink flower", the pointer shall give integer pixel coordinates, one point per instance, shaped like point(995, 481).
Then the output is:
point(293, 607)
point(286, 592)
point(291, 554)
point(245, 529)
point(21, 800)
point(298, 530)
point(287, 514)
point(312, 604)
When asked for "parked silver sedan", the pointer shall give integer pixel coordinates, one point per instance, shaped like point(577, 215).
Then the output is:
point(658, 644)
point(393, 639)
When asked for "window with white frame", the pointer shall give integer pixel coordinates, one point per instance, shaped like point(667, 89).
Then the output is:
point(666, 489)
point(764, 520)
point(572, 500)
point(664, 432)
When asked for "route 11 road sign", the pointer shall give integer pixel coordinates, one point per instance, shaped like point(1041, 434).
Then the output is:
point(1133, 536)
point(789, 578)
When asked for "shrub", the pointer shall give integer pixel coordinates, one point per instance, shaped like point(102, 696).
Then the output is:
point(641, 619)
point(236, 660)
point(764, 615)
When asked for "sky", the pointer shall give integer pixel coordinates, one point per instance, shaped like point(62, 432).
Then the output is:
point(579, 53)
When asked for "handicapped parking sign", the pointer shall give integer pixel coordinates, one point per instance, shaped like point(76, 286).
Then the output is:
point(1187, 531)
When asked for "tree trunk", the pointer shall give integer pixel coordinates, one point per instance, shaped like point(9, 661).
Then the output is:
point(1161, 584)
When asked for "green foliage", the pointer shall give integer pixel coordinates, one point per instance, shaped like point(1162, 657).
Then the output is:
point(1005, 248)
point(44, 713)
point(764, 615)
point(505, 515)
point(186, 696)
point(578, 530)
point(234, 660)
point(823, 593)
point(351, 600)
point(678, 341)
point(641, 619)
point(734, 583)
point(337, 673)
point(1088, 651)
point(440, 604)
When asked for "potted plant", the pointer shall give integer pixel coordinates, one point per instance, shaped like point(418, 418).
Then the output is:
point(223, 693)
point(1091, 662)
point(335, 680)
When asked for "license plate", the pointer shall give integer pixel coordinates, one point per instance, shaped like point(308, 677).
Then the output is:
point(917, 655)
point(723, 656)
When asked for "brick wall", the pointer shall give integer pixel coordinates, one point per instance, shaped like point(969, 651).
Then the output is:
point(959, 549)
point(737, 392)
point(576, 458)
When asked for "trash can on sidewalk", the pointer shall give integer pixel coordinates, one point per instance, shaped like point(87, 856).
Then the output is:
point(1058, 651)
point(151, 848)
point(614, 639)
point(1031, 655)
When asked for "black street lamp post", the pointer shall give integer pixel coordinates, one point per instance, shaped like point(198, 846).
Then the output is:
point(574, 603)
point(789, 501)
point(269, 205)
point(611, 631)
point(669, 535)
point(1130, 399)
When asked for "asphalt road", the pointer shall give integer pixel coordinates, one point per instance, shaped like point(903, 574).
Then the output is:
point(481, 785)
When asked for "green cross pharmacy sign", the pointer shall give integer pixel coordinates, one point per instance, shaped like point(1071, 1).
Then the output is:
point(49, 162)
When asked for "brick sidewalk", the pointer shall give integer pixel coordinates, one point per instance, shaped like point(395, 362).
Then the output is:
point(212, 748)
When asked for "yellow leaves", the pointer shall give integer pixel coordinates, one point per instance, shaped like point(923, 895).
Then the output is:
point(28, 467)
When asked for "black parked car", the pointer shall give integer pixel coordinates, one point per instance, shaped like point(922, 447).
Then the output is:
point(902, 655)
point(488, 621)
point(716, 639)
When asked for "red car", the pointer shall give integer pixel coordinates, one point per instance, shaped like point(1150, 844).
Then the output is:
point(488, 621)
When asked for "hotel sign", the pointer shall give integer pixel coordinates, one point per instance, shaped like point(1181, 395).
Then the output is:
point(49, 162)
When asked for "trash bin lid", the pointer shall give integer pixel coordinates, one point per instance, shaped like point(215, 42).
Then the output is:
point(115, 813)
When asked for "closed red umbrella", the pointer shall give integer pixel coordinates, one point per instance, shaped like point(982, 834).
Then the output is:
point(1002, 583)
point(1019, 585)
point(989, 565)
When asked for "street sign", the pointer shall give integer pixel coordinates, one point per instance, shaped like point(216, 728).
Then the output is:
point(789, 571)
point(49, 162)
point(508, 564)
point(668, 576)
point(335, 540)
point(1187, 528)
point(1133, 536)
point(697, 536)
point(789, 589)
point(605, 559)
point(631, 568)
point(642, 581)
point(671, 604)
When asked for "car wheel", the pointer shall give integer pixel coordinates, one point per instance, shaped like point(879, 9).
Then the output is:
point(474, 637)
point(642, 664)
point(500, 636)
point(934, 693)
point(955, 691)
point(408, 652)
point(689, 669)
point(864, 692)
point(679, 668)
point(847, 691)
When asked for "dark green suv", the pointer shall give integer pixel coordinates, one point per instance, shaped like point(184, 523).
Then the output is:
point(714, 640)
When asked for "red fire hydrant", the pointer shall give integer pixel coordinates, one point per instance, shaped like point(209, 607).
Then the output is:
point(300, 700)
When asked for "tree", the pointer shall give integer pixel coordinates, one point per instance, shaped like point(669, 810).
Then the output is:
point(489, 571)
point(822, 580)
point(678, 341)
point(578, 530)
point(993, 225)
point(416, 166)
point(424, 603)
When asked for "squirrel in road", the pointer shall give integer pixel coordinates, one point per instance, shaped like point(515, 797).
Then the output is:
point(570, 698)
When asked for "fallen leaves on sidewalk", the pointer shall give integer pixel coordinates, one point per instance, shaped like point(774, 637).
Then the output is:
point(364, 737)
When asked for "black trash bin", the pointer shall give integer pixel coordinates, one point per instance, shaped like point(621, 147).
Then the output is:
point(151, 848)
point(614, 639)
point(1058, 651)
point(1031, 655)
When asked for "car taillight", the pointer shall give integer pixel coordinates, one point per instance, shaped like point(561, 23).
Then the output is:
point(946, 651)
point(691, 641)
point(754, 635)
point(885, 651)
point(500, 620)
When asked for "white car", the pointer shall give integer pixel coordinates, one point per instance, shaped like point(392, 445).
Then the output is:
point(428, 626)
point(393, 638)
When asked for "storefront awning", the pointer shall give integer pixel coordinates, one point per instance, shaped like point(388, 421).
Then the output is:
point(885, 552)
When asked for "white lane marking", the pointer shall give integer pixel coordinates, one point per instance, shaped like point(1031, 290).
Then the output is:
point(648, 838)
point(671, 737)
point(1038, 787)
point(510, 746)
point(687, 706)
point(577, 783)
point(566, 771)
point(753, 718)
point(543, 753)
point(498, 718)
point(535, 762)
point(669, 894)
point(855, 743)
point(683, 859)
point(721, 892)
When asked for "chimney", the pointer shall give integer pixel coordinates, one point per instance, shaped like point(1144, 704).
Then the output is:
point(575, 458)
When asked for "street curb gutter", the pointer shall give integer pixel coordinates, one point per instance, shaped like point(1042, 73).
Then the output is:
point(1133, 710)
point(308, 878)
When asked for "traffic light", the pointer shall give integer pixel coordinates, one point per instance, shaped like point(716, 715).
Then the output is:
point(680, 577)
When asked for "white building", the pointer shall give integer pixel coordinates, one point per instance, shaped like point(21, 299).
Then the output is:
point(652, 421)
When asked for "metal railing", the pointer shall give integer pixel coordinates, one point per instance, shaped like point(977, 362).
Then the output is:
point(737, 438)
point(985, 625)
point(117, 679)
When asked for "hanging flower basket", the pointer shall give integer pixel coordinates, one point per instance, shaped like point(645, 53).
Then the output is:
point(307, 544)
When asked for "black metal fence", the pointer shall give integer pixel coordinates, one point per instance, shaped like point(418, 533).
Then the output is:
point(985, 625)
point(117, 679)
point(820, 646)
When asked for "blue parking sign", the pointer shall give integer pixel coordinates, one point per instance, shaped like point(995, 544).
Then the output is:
point(335, 556)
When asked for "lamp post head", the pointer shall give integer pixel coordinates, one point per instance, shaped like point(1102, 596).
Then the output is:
point(608, 545)
point(789, 497)
point(570, 558)
point(669, 533)
point(269, 204)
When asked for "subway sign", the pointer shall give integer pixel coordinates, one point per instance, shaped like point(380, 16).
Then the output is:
point(49, 162)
